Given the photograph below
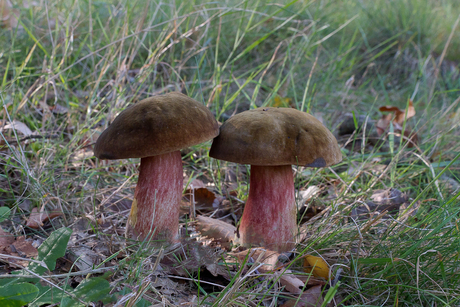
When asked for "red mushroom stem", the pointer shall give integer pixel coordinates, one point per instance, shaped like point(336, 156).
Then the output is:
point(269, 217)
point(155, 209)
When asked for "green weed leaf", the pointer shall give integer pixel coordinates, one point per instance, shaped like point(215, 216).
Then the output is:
point(4, 213)
point(54, 247)
point(17, 294)
point(90, 290)
point(47, 295)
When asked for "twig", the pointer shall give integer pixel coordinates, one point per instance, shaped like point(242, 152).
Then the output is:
point(85, 272)
point(24, 259)
point(33, 136)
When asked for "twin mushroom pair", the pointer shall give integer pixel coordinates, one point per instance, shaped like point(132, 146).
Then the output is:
point(269, 139)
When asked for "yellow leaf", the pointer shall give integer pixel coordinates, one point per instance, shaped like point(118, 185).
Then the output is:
point(282, 102)
point(132, 219)
point(317, 266)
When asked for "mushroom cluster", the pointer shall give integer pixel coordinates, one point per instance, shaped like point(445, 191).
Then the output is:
point(271, 140)
point(155, 129)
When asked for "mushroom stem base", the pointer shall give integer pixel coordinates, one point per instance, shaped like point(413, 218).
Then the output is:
point(269, 217)
point(155, 210)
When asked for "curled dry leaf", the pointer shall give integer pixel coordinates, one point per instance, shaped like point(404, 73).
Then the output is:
point(216, 230)
point(317, 266)
point(37, 219)
point(18, 126)
point(268, 258)
point(290, 282)
point(398, 117)
point(308, 194)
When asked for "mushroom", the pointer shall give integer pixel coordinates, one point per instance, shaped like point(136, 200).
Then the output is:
point(155, 129)
point(271, 140)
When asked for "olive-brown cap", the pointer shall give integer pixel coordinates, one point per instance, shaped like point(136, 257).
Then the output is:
point(155, 126)
point(276, 136)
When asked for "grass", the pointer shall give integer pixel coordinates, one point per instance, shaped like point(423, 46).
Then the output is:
point(71, 66)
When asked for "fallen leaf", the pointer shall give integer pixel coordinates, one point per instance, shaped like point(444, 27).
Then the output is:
point(216, 230)
point(397, 117)
point(9, 15)
point(308, 194)
point(310, 280)
point(390, 196)
point(268, 258)
point(290, 282)
point(405, 211)
point(83, 257)
point(310, 298)
point(317, 266)
point(58, 109)
point(6, 239)
point(78, 158)
point(24, 248)
point(281, 102)
point(450, 184)
point(18, 126)
point(196, 184)
point(204, 197)
point(201, 195)
point(37, 219)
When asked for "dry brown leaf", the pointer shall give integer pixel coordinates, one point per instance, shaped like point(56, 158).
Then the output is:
point(18, 126)
point(290, 282)
point(6, 239)
point(9, 15)
point(84, 258)
point(310, 298)
point(204, 197)
point(36, 219)
point(24, 248)
point(398, 117)
point(216, 230)
point(19, 248)
point(267, 257)
point(196, 184)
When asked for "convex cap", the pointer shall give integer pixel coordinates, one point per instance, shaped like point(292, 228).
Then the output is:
point(157, 125)
point(276, 136)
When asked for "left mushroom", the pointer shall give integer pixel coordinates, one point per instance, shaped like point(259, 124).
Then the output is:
point(155, 130)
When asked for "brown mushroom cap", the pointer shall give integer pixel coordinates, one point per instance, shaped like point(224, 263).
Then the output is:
point(276, 136)
point(155, 126)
